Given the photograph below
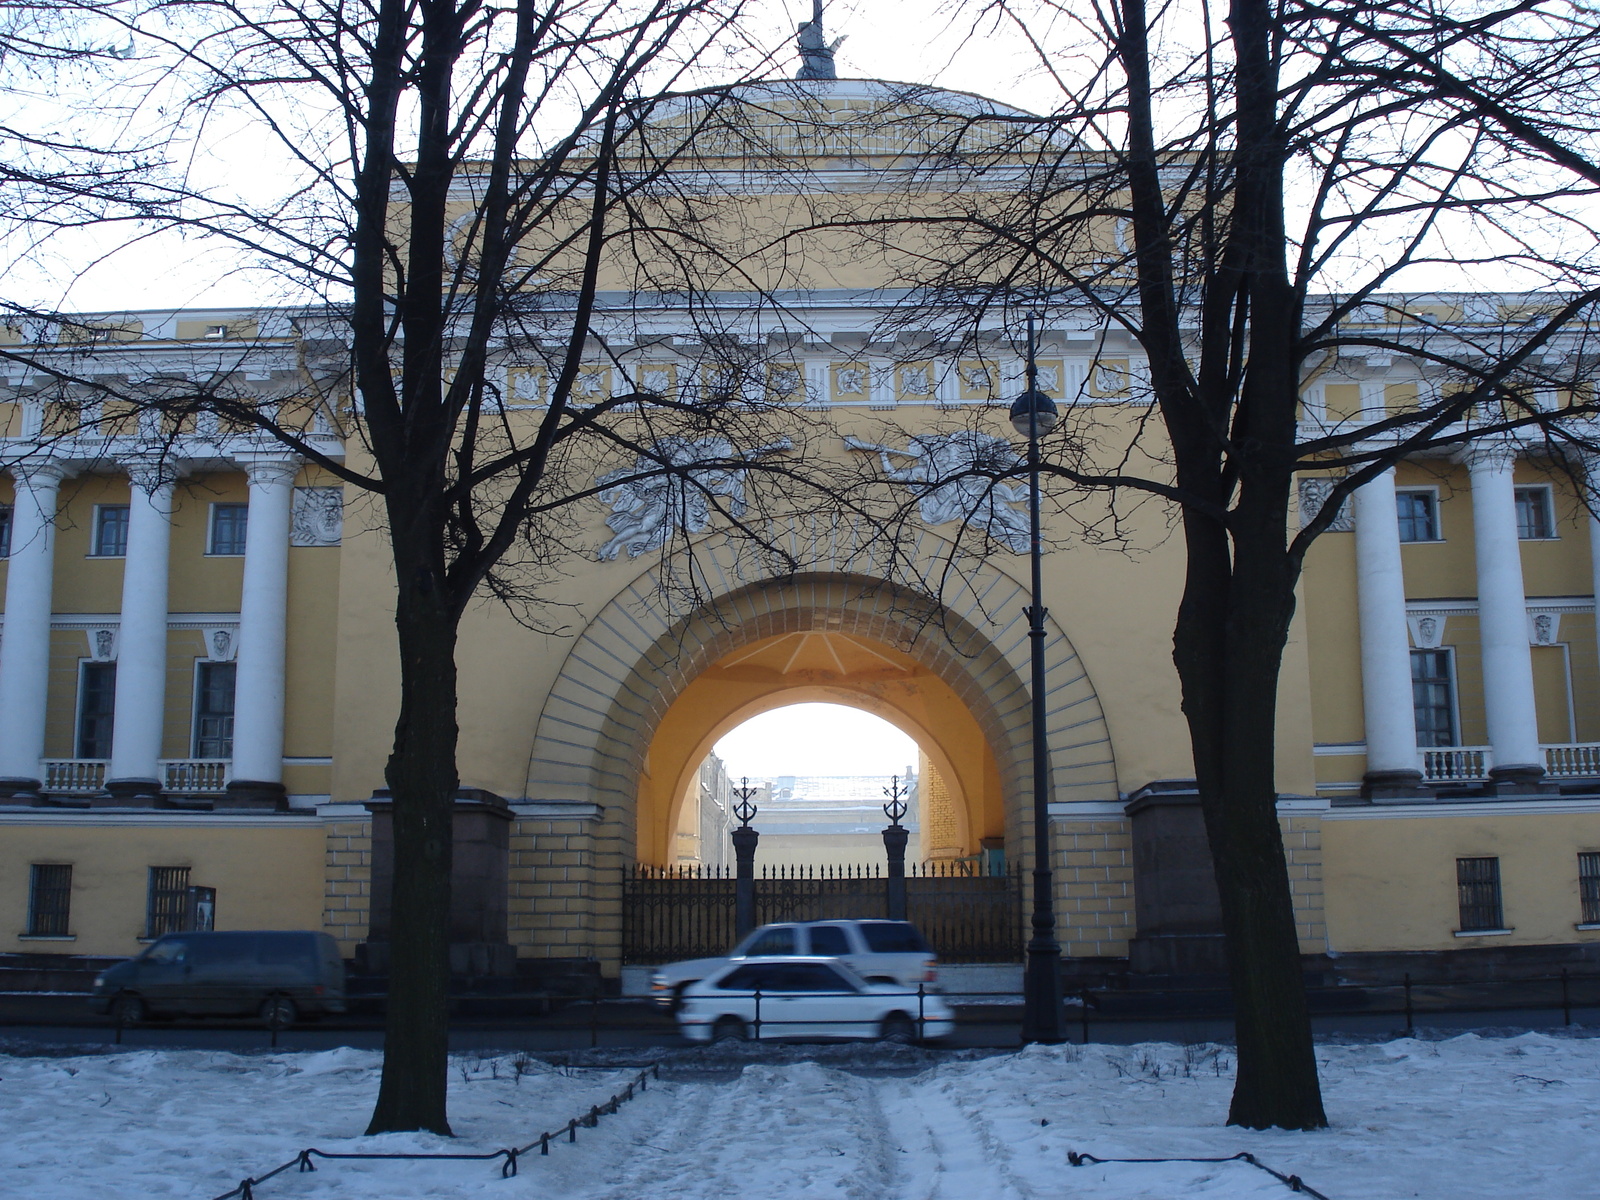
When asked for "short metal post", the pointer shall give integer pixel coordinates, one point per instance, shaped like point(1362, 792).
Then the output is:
point(544, 1143)
point(1409, 1022)
point(757, 1027)
point(922, 1020)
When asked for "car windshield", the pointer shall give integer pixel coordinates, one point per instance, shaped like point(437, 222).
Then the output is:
point(168, 950)
point(893, 937)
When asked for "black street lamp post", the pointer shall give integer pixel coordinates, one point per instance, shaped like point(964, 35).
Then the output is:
point(895, 836)
point(1034, 413)
point(744, 859)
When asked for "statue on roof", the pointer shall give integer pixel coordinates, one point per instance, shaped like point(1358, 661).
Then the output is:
point(816, 52)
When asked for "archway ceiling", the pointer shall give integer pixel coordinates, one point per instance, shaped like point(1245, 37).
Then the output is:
point(814, 653)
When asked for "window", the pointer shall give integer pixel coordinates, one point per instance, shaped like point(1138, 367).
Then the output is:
point(828, 939)
point(772, 942)
point(5, 531)
point(110, 531)
point(49, 900)
point(1419, 516)
point(97, 693)
point(893, 937)
point(1535, 514)
point(1433, 696)
point(1478, 894)
point(1589, 887)
point(213, 710)
point(167, 903)
point(228, 528)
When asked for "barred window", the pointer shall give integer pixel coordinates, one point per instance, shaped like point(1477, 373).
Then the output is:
point(1478, 894)
point(1419, 516)
point(49, 900)
point(1535, 516)
point(110, 531)
point(1589, 887)
point(228, 524)
point(167, 902)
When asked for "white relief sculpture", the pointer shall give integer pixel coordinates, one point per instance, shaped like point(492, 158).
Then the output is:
point(979, 379)
point(914, 381)
point(852, 381)
point(941, 469)
point(785, 381)
point(1544, 628)
point(649, 506)
point(527, 387)
point(1314, 493)
point(1049, 378)
point(1427, 632)
point(318, 516)
point(222, 642)
point(103, 645)
point(590, 385)
point(657, 381)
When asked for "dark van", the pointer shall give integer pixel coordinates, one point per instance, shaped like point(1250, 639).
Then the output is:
point(277, 975)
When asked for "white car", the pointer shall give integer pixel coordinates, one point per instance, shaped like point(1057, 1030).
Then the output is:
point(879, 951)
point(807, 998)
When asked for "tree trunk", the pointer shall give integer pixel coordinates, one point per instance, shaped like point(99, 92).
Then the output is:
point(423, 780)
point(1229, 641)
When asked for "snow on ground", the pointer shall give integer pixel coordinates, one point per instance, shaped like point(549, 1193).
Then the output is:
point(1455, 1119)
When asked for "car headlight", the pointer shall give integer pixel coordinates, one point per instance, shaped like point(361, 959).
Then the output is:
point(99, 981)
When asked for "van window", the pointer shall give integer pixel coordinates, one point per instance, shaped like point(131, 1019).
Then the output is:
point(168, 950)
point(893, 937)
point(772, 942)
point(828, 939)
point(227, 951)
point(287, 950)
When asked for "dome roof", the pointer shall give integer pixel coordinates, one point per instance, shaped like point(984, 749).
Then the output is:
point(847, 119)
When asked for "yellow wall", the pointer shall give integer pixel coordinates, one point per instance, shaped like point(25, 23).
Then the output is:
point(268, 874)
point(1391, 881)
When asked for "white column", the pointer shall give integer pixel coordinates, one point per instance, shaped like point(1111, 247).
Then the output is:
point(1386, 698)
point(257, 772)
point(1591, 470)
point(25, 646)
point(1503, 616)
point(140, 712)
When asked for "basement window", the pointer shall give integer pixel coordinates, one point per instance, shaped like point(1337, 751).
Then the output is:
point(1478, 895)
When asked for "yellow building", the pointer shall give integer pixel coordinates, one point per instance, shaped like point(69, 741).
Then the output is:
point(198, 672)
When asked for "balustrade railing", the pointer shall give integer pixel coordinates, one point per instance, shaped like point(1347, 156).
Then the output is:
point(1572, 760)
point(1456, 764)
point(87, 776)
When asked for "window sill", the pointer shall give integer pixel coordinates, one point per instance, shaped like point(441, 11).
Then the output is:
point(220, 554)
point(105, 556)
point(1438, 541)
point(1585, 928)
point(1483, 932)
point(72, 937)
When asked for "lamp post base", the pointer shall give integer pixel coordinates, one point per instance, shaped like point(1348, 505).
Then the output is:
point(1041, 995)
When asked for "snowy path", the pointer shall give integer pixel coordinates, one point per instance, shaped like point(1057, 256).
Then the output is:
point(1466, 1118)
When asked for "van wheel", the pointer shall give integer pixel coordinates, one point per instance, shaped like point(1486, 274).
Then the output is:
point(279, 1012)
point(899, 1028)
point(128, 1009)
point(730, 1029)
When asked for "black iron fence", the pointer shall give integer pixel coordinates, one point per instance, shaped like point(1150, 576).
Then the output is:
point(673, 913)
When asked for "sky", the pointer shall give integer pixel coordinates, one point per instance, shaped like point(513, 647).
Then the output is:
point(816, 739)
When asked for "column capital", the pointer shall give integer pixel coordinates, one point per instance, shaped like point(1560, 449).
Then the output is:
point(1489, 453)
point(150, 473)
point(38, 474)
point(264, 468)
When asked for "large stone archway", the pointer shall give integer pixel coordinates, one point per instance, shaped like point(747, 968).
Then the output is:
point(660, 633)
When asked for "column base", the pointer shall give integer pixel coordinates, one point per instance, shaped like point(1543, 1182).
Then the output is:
point(16, 788)
point(250, 795)
point(1521, 779)
point(129, 793)
point(1400, 784)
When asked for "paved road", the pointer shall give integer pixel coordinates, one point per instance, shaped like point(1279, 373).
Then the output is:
point(618, 1024)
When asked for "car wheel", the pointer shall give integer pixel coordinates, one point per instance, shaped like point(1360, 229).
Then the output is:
point(128, 1009)
point(730, 1029)
point(279, 1012)
point(898, 1028)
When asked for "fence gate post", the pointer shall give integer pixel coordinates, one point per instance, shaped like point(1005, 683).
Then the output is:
point(744, 854)
point(895, 836)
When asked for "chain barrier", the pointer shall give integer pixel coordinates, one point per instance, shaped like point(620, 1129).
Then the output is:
point(1293, 1182)
point(509, 1157)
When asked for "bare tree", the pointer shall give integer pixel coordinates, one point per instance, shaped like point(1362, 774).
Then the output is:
point(466, 181)
point(1252, 192)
